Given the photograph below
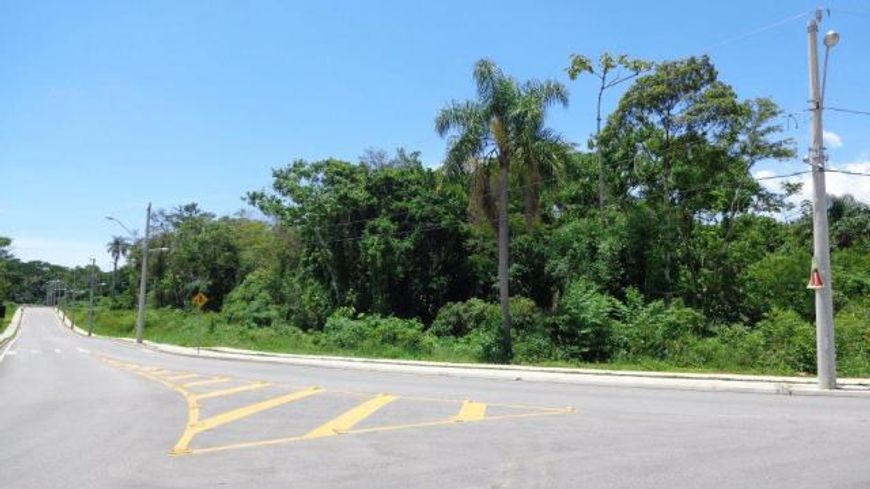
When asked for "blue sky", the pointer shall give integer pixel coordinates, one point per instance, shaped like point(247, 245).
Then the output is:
point(107, 105)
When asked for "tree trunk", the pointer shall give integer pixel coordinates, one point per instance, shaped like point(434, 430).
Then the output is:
point(532, 196)
point(601, 188)
point(114, 276)
point(504, 296)
point(669, 241)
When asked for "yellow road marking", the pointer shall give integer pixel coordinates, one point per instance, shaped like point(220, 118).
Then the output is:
point(346, 421)
point(231, 390)
point(446, 422)
point(471, 411)
point(244, 412)
point(182, 377)
point(216, 380)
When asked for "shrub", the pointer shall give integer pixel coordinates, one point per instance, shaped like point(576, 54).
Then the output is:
point(853, 339)
point(250, 304)
point(307, 303)
point(389, 336)
point(478, 325)
point(789, 341)
point(777, 281)
point(655, 330)
point(584, 322)
point(460, 318)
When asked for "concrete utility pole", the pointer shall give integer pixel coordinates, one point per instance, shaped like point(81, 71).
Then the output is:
point(140, 319)
point(826, 359)
point(91, 300)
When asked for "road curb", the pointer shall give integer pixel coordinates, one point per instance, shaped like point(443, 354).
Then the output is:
point(796, 386)
point(13, 327)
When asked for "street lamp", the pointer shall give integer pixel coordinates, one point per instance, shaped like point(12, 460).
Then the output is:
point(140, 318)
point(826, 360)
point(831, 39)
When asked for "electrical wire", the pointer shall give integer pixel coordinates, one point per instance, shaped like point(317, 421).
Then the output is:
point(775, 177)
point(848, 172)
point(848, 111)
point(759, 30)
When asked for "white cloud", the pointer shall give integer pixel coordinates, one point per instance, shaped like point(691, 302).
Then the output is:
point(832, 139)
point(837, 184)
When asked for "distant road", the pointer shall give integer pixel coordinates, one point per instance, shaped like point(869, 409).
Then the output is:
point(92, 413)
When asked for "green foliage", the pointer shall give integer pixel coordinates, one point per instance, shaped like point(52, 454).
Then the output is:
point(852, 333)
point(584, 322)
point(655, 330)
point(790, 342)
point(460, 318)
point(377, 335)
point(250, 304)
point(680, 265)
point(778, 281)
point(378, 239)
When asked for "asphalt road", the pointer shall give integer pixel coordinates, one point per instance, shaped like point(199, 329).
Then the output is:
point(90, 413)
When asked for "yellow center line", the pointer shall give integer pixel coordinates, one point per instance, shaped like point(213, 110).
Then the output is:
point(231, 390)
point(346, 421)
point(471, 411)
point(215, 380)
point(182, 377)
point(244, 412)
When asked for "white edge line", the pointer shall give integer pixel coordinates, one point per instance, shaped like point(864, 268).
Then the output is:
point(10, 345)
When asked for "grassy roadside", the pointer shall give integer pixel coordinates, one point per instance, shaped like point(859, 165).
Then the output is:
point(208, 330)
point(7, 320)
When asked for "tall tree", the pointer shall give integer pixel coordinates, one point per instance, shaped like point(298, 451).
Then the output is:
point(666, 123)
point(118, 247)
point(610, 71)
point(495, 129)
point(683, 145)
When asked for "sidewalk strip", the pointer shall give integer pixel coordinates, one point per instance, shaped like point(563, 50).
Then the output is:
point(350, 418)
point(231, 390)
point(471, 411)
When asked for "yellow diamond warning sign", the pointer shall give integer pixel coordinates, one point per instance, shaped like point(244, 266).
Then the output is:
point(199, 299)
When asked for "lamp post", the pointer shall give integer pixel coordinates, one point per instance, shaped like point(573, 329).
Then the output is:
point(91, 299)
point(140, 318)
point(826, 361)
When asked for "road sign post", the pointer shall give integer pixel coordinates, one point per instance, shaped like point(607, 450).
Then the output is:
point(199, 301)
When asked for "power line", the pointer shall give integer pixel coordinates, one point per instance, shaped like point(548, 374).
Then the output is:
point(759, 30)
point(848, 111)
point(851, 12)
point(774, 177)
point(848, 172)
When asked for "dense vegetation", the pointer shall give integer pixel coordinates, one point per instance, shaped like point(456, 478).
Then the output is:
point(657, 248)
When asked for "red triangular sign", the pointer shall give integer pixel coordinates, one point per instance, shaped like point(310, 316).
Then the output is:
point(815, 279)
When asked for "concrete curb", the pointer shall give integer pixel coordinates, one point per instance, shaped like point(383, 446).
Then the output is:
point(13, 327)
point(799, 386)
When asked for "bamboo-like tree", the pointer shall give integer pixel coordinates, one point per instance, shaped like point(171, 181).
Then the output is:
point(503, 127)
point(611, 71)
point(118, 247)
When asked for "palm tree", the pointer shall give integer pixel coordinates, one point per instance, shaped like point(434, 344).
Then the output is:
point(118, 247)
point(503, 126)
